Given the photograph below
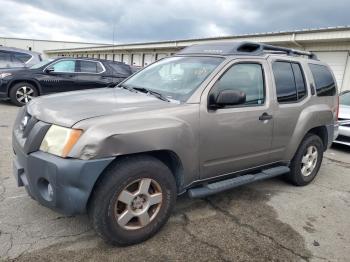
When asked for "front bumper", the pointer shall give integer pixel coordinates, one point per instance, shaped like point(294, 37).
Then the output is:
point(61, 184)
point(3, 89)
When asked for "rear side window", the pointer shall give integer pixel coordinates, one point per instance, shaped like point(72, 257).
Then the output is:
point(22, 57)
point(121, 69)
point(89, 67)
point(289, 80)
point(325, 85)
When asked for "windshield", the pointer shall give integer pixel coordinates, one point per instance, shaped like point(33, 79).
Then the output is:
point(344, 99)
point(42, 63)
point(175, 77)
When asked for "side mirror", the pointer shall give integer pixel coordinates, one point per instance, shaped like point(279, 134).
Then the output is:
point(49, 70)
point(228, 98)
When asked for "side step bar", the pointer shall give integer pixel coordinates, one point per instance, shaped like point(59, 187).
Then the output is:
point(217, 187)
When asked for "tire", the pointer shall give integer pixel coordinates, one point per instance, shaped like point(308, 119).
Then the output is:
point(107, 211)
point(21, 93)
point(304, 166)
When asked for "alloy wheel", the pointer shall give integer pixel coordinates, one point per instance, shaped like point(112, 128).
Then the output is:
point(309, 160)
point(24, 94)
point(138, 204)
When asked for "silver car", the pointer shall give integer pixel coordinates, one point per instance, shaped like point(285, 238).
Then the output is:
point(13, 58)
point(344, 119)
point(210, 118)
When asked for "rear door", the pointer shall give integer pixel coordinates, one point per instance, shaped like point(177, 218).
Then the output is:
point(237, 137)
point(291, 93)
point(90, 75)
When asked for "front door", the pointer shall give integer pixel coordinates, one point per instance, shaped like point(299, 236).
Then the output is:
point(59, 77)
point(235, 138)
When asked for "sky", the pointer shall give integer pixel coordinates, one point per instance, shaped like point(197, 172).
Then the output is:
point(130, 21)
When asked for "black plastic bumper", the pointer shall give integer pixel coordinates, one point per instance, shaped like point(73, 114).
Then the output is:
point(60, 184)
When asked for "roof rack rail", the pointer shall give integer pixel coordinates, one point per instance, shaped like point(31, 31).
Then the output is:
point(242, 48)
point(288, 51)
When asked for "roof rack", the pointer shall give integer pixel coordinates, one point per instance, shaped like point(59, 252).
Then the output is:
point(243, 48)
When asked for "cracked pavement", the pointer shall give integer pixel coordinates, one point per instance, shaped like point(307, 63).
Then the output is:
point(265, 221)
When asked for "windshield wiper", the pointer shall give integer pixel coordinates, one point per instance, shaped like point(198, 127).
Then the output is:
point(154, 93)
point(127, 87)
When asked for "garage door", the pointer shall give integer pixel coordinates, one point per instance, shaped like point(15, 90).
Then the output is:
point(127, 59)
point(160, 56)
point(148, 59)
point(337, 62)
point(136, 60)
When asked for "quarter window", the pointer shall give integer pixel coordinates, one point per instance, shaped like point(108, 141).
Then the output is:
point(246, 77)
point(65, 66)
point(325, 85)
point(289, 80)
point(22, 57)
point(90, 67)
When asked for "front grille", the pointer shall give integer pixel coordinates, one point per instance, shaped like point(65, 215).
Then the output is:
point(29, 131)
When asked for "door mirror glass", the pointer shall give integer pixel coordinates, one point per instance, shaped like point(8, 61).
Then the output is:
point(229, 98)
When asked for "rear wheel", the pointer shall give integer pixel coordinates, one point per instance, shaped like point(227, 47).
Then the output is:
point(22, 93)
point(133, 200)
point(307, 161)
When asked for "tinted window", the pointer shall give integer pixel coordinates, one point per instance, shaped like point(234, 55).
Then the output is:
point(299, 81)
point(325, 85)
point(22, 57)
point(121, 69)
point(5, 57)
point(244, 77)
point(90, 67)
point(284, 80)
point(64, 66)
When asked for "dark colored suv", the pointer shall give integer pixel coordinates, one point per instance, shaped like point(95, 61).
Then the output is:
point(60, 75)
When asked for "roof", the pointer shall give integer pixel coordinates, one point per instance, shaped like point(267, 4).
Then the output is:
point(14, 49)
point(241, 48)
point(279, 36)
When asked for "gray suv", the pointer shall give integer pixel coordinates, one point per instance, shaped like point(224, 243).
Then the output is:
point(210, 118)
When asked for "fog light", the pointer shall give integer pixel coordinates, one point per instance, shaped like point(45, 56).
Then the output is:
point(45, 189)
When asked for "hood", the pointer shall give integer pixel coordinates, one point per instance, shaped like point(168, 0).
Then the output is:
point(66, 109)
point(14, 70)
point(344, 112)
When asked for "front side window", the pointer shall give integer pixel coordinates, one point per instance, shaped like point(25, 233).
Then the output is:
point(325, 85)
point(246, 77)
point(89, 67)
point(64, 66)
point(175, 77)
point(289, 80)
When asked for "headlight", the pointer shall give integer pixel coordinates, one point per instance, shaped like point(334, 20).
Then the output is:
point(3, 75)
point(60, 140)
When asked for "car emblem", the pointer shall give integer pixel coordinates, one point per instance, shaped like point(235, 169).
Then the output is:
point(24, 123)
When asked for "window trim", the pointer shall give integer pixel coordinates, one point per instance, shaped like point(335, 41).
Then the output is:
point(304, 79)
point(89, 60)
point(242, 105)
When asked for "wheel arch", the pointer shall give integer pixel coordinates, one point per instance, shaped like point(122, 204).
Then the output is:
point(167, 157)
point(29, 81)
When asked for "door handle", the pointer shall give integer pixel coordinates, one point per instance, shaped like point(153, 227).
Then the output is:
point(265, 116)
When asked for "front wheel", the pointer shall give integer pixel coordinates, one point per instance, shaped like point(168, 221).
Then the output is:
point(307, 161)
point(133, 200)
point(22, 93)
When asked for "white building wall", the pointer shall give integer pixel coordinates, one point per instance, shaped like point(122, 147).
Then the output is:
point(41, 45)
